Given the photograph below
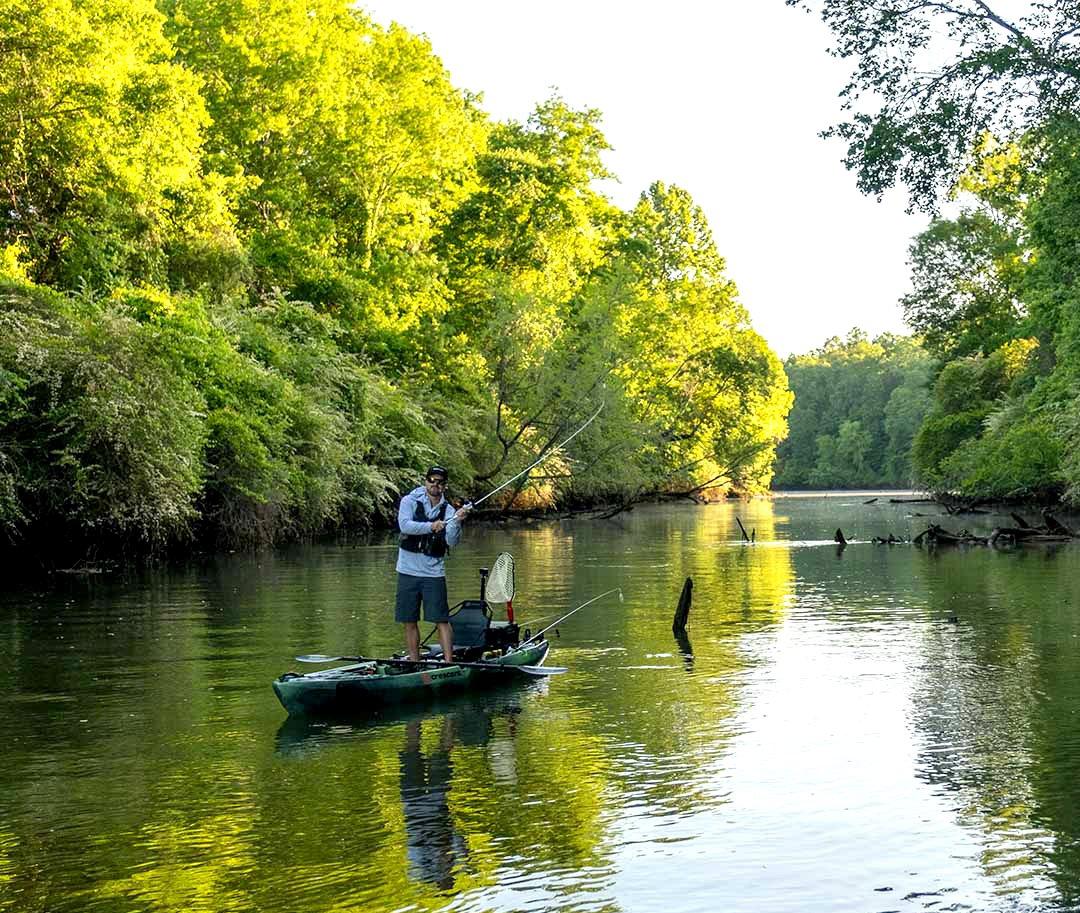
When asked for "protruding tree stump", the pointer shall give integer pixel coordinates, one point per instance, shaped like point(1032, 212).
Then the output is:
point(746, 538)
point(1056, 527)
point(839, 537)
point(682, 613)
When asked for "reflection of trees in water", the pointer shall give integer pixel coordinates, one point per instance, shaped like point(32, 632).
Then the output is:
point(996, 705)
point(668, 702)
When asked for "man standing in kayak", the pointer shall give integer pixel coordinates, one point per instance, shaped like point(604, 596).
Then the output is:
point(429, 527)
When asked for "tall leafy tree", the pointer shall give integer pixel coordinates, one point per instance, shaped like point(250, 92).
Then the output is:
point(964, 273)
point(349, 148)
point(519, 250)
point(929, 80)
point(101, 135)
point(534, 224)
point(693, 366)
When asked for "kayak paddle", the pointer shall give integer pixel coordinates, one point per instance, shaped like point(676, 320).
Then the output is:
point(435, 663)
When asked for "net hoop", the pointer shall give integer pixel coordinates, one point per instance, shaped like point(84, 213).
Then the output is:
point(500, 582)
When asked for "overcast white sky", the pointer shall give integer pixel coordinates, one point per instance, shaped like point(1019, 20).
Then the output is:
point(724, 99)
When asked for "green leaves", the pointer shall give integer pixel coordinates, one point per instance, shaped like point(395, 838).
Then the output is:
point(294, 263)
point(99, 128)
point(930, 79)
point(858, 405)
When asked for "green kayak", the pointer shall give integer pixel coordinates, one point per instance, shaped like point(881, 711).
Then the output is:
point(369, 684)
point(486, 653)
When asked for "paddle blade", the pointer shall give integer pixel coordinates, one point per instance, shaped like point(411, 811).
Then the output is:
point(541, 670)
point(500, 582)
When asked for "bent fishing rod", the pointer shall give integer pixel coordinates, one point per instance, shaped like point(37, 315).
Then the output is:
point(533, 465)
point(542, 631)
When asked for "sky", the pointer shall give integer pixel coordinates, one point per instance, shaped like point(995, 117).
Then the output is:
point(725, 99)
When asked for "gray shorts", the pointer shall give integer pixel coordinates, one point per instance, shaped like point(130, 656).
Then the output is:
point(411, 591)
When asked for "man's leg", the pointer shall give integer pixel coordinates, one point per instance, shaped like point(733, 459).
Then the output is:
point(407, 612)
point(412, 640)
point(446, 640)
point(437, 611)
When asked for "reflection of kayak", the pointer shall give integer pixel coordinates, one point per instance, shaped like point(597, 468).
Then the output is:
point(473, 713)
point(366, 685)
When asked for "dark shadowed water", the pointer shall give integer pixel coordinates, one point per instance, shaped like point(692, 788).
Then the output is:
point(867, 729)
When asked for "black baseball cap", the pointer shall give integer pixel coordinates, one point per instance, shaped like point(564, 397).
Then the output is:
point(438, 471)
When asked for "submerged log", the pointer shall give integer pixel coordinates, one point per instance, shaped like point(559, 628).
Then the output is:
point(1057, 527)
point(1026, 534)
point(682, 613)
point(937, 535)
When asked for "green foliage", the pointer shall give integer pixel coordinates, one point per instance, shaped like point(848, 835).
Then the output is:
point(961, 98)
point(930, 80)
point(104, 433)
point(1021, 460)
point(693, 398)
point(693, 367)
point(967, 394)
point(263, 261)
point(533, 225)
point(965, 272)
point(349, 148)
point(100, 144)
point(858, 404)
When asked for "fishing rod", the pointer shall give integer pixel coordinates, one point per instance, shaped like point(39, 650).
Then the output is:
point(524, 643)
point(532, 466)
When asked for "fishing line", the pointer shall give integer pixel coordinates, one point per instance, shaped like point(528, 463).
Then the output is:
point(532, 466)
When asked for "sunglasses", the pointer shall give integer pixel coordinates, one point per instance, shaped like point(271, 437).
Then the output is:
point(437, 481)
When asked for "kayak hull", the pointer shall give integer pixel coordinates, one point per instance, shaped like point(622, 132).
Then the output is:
point(366, 686)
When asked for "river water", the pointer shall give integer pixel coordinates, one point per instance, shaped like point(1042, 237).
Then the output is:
point(871, 728)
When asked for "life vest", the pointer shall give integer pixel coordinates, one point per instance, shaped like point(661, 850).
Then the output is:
point(431, 544)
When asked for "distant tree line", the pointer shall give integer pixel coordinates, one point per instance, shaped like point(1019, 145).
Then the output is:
point(858, 406)
point(261, 262)
point(959, 100)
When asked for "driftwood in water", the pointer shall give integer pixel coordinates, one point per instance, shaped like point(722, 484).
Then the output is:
point(1052, 530)
point(871, 501)
point(839, 538)
point(912, 501)
point(955, 504)
point(1020, 521)
point(1002, 535)
point(746, 538)
point(682, 613)
point(1026, 534)
point(936, 535)
point(891, 540)
point(1057, 527)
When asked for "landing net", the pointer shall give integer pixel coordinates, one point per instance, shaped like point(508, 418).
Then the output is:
point(500, 582)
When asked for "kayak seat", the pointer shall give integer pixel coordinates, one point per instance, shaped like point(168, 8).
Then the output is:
point(469, 623)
